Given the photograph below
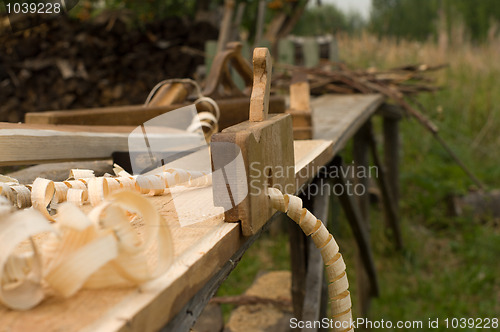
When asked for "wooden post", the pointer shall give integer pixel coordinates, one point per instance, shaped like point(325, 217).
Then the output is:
point(361, 235)
point(298, 262)
point(210, 52)
point(310, 49)
point(360, 156)
point(261, 13)
point(286, 51)
point(391, 154)
point(333, 51)
point(315, 301)
point(300, 107)
point(225, 26)
point(308, 296)
point(390, 209)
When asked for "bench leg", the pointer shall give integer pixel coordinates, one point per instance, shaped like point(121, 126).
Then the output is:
point(386, 188)
point(360, 157)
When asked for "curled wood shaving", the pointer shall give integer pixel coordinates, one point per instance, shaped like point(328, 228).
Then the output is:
point(23, 196)
point(61, 190)
point(21, 274)
point(98, 250)
point(340, 298)
point(42, 192)
point(77, 197)
point(8, 179)
point(76, 174)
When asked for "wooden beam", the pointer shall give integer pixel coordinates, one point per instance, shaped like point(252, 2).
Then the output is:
point(55, 144)
point(233, 111)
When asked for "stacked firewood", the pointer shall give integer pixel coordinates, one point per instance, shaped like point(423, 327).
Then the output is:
point(69, 64)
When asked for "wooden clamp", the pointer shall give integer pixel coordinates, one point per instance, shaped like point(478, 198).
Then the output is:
point(266, 146)
point(300, 107)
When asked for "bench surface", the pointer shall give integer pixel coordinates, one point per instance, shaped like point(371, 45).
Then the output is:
point(201, 249)
point(338, 117)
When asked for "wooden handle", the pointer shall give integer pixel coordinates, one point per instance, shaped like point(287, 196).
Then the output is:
point(259, 100)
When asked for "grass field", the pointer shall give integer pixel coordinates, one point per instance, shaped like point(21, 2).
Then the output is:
point(449, 267)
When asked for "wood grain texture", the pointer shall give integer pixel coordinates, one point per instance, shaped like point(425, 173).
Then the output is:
point(267, 150)
point(64, 143)
point(200, 249)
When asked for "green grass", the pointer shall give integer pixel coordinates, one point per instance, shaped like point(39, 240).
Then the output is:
point(449, 267)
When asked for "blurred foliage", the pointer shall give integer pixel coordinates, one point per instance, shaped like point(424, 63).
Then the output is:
point(327, 18)
point(419, 20)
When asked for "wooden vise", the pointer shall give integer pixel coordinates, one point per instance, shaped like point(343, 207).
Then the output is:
point(265, 143)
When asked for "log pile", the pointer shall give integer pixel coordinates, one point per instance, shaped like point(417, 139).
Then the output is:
point(68, 64)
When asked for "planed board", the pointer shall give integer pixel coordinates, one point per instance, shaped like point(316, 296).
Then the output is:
point(33, 144)
point(233, 111)
point(200, 250)
point(338, 117)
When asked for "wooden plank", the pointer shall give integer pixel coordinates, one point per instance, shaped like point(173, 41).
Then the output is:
point(34, 146)
point(104, 116)
point(233, 111)
point(60, 171)
point(201, 249)
point(68, 128)
point(338, 117)
point(320, 152)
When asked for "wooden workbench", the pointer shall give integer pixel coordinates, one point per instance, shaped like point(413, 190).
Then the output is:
point(201, 250)
point(205, 252)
